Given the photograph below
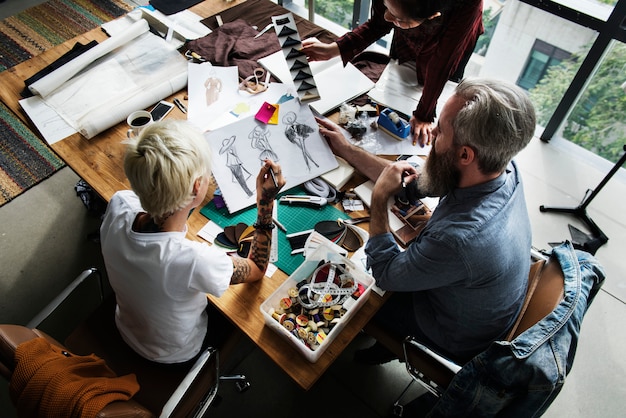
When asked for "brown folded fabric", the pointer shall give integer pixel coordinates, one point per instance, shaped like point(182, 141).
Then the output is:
point(233, 43)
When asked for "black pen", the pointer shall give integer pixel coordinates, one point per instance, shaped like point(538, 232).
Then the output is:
point(180, 105)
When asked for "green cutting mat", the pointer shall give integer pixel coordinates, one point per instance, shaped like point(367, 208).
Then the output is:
point(293, 218)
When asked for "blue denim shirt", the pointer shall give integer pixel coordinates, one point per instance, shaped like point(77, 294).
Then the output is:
point(521, 378)
point(468, 269)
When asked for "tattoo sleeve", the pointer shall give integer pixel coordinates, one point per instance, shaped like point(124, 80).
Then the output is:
point(259, 255)
point(260, 248)
point(241, 270)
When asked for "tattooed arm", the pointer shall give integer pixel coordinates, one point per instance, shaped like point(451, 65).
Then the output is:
point(253, 268)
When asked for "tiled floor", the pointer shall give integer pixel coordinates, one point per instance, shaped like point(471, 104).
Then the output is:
point(41, 250)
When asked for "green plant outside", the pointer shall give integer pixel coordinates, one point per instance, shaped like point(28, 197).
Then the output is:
point(596, 122)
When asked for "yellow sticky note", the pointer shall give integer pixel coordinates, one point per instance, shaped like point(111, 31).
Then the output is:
point(274, 119)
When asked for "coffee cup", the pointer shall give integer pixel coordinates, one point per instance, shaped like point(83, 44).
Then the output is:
point(137, 121)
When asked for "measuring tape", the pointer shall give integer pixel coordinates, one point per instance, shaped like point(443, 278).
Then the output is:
point(274, 245)
point(316, 292)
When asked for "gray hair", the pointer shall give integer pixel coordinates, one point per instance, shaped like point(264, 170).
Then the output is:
point(497, 121)
point(163, 162)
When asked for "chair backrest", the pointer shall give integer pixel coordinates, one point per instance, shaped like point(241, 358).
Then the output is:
point(13, 335)
point(186, 390)
point(544, 292)
point(202, 376)
point(546, 284)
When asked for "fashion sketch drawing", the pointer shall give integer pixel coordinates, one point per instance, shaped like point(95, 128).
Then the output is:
point(297, 133)
point(240, 174)
point(213, 86)
point(259, 139)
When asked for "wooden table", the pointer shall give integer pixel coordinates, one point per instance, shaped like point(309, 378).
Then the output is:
point(99, 162)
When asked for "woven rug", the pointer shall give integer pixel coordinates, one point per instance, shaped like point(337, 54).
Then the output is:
point(25, 160)
point(41, 27)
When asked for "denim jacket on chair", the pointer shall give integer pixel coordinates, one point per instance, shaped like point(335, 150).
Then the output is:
point(521, 378)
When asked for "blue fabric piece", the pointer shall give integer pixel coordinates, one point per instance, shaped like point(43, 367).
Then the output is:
point(522, 378)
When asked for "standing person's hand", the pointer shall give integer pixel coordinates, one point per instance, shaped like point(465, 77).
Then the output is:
point(319, 51)
point(422, 131)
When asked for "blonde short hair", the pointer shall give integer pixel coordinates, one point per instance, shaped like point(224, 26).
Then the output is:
point(163, 162)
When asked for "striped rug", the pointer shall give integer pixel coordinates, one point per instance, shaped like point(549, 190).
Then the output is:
point(25, 160)
point(41, 27)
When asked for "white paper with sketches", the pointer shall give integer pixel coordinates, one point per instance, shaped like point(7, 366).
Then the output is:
point(238, 151)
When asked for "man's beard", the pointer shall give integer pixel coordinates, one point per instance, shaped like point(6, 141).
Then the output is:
point(440, 175)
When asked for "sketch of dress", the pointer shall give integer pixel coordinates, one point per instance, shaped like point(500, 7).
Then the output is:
point(260, 140)
point(213, 87)
point(297, 133)
point(235, 165)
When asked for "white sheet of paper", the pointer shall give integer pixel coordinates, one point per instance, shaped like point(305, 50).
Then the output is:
point(336, 84)
point(131, 71)
point(397, 88)
point(209, 231)
point(240, 148)
point(50, 125)
point(134, 76)
point(215, 99)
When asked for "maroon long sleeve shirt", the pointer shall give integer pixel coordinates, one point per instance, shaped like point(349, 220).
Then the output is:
point(439, 46)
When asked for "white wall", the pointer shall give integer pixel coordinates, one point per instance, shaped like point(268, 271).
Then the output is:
point(514, 37)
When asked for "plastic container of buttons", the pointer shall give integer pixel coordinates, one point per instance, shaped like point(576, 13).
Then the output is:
point(316, 302)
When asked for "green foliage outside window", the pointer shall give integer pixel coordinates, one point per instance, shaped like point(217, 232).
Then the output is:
point(598, 120)
point(337, 11)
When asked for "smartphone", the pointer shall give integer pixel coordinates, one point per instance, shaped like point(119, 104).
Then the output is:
point(161, 110)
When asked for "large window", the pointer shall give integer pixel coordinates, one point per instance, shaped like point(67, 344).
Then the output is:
point(590, 108)
point(552, 48)
point(541, 57)
point(596, 121)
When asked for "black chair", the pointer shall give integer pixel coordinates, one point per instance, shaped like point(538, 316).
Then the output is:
point(165, 390)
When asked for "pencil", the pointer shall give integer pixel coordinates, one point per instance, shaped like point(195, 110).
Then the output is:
point(273, 177)
point(279, 225)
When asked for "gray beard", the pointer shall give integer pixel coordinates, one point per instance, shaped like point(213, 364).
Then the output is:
point(440, 176)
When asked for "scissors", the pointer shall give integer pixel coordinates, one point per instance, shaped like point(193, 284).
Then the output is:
point(265, 29)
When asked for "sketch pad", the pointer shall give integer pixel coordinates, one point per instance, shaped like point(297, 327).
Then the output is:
point(294, 218)
point(240, 148)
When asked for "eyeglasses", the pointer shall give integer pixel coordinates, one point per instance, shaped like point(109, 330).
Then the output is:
point(402, 23)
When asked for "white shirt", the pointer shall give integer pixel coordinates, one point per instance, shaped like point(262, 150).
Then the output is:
point(160, 282)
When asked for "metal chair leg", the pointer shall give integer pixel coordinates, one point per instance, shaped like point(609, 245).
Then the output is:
point(398, 407)
point(241, 382)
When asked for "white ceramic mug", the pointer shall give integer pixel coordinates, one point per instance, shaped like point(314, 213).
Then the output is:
point(137, 121)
